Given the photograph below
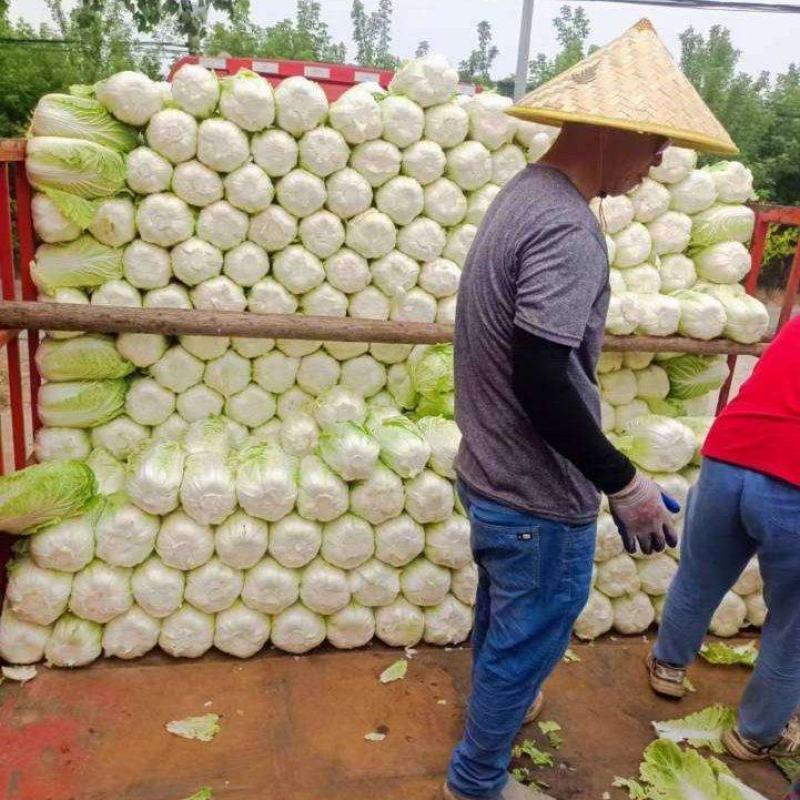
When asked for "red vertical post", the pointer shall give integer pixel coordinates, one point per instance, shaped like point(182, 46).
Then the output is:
point(25, 238)
point(9, 293)
point(792, 286)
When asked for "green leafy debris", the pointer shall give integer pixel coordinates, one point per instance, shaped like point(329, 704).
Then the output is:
point(394, 672)
point(790, 767)
point(206, 793)
point(724, 653)
point(19, 674)
point(702, 729)
point(635, 789)
point(537, 756)
point(690, 687)
point(551, 729)
point(570, 656)
point(203, 728)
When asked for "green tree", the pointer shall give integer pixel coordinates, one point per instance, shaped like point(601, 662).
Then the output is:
point(476, 67)
point(372, 35)
point(305, 38)
point(572, 32)
point(423, 48)
point(188, 18)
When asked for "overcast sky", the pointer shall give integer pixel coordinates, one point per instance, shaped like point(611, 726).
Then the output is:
point(767, 41)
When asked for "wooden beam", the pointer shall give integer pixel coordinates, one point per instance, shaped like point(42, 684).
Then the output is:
point(179, 322)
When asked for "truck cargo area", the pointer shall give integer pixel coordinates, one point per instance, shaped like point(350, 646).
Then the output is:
point(292, 728)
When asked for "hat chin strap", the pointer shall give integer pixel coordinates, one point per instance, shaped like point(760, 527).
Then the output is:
point(602, 194)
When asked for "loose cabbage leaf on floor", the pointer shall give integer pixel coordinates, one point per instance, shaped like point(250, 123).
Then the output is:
point(203, 728)
point(724, 653)
point(702, 729)
point(394, 672)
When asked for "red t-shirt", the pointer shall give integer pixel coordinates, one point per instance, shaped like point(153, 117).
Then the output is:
point(760, 428)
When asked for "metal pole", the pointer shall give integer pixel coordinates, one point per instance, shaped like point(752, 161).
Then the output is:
point(524, 49)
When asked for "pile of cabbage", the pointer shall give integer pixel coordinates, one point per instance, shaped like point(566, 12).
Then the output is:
point(250, 491)
point(657, 410)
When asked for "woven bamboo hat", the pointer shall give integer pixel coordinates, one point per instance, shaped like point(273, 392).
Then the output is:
point(632, 84)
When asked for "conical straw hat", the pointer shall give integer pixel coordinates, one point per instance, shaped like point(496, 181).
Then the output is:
point(632, 84)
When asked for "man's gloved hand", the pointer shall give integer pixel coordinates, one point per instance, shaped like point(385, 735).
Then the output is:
point(640, 511)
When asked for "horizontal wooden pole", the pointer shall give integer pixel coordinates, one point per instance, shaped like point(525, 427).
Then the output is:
point(179, 322)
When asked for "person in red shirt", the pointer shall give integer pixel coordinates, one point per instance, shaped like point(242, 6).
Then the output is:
point(746, 502)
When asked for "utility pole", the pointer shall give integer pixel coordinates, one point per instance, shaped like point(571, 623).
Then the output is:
point(524, 49)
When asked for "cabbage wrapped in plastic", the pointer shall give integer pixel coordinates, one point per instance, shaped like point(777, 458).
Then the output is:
point(633, 613)
point(399, 540)
point(443, 438)
point(447, 623)
point(324, 588)
point(74, 642)
point(213, 586)
point(45, 493)
point(399, 624)
point(676, 164)
point(125, 535)
point(67, 546)
point(21, 642)
point(188, 633)
point(339, 404)
point(694, 193)
point(241, 631)
point(246, 98)
point(378, 498)
point(347, 542)
point(356, 115)
point(427, 81)
point(702, 316)
point(617, 576)
point(270, 587)
point(733, 181)
point(596, 618)
point(183, 543)
point(208, 489)
point(447, 543)
point(729, 616)
point(131, 635)
point(402, 447)
point(374, 584)
point(157, 588)
point(747, 319)
point(35, 594)
point(724, 262)
point(350, 627)
point(241, 541)
point(322, 494)
point(297, 629)
point(656, 573)
point(658, 443)
point(301, 105)
point(101, 592)
point(349, 450)
point(659, 315)
point(156, 473)
point(267, 482)
point(425, 584)
point(615, 213)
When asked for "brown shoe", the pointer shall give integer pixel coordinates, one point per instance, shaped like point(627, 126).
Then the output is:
point(535, 709)
point(665, 679)
point(788, 746)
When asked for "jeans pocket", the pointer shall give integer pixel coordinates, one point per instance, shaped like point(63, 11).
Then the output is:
point(509, 553)
point(784, 507)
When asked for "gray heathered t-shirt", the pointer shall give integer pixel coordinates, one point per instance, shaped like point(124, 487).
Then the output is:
point(539, 261)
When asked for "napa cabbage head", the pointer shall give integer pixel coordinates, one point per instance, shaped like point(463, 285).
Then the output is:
point(45, 493)
point(658, 443)
point(73, 117)
point(77, 166)
point(81, 264)
point(693, 375)
point(81, 358)
point(431, 370)
point(82, 404)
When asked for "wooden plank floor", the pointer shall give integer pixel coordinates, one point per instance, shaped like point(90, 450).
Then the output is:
point(293, 728)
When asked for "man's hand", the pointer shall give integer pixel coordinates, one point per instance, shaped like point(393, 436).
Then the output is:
point(641, 513)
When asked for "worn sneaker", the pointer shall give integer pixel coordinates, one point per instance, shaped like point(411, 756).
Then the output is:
point(513, 790)
point(665, 679)
point(532, 714)
point(788, 746)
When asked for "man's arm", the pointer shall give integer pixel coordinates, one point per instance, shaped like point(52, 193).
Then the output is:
point(560, 416)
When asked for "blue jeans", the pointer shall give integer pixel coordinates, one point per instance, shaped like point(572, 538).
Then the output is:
point(732, 514)
point(534, 577)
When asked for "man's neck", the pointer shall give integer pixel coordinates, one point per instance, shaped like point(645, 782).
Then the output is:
point(580, 172)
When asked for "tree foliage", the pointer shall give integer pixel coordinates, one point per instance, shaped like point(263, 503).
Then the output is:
point(372, 35)
point(572, 31)
point(477, 66)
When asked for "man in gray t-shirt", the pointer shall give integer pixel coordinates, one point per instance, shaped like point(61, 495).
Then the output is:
point(533, 459)
point(539, 262)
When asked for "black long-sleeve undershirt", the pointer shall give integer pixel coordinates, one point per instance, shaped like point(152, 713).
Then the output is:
point(560, 416)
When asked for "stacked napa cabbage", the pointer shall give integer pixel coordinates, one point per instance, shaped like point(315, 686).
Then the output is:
point(259, 491)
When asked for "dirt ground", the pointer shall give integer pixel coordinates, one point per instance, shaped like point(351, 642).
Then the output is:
point(293, 728)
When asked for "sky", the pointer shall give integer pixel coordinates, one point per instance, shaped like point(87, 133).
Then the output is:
point(767, 41)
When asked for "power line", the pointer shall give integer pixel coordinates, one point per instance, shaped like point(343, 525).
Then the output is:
point(707, 5)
